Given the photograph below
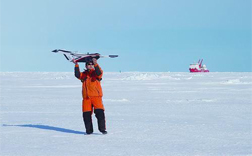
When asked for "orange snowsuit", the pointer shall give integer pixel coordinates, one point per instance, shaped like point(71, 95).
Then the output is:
point(91, 88)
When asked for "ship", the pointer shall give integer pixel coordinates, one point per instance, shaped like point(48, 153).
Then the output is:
point(198, 67)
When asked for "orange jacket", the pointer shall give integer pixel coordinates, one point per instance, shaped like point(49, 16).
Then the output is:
point(90, 79)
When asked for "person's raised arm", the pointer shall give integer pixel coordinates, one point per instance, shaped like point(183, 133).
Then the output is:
point(76, 70)
point(98, 69)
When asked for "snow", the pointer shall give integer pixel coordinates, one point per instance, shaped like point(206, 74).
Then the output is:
point(147, 114)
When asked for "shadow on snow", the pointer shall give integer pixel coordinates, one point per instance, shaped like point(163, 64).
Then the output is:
point(46, 127)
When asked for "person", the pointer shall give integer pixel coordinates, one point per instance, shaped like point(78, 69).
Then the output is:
point(92, 95)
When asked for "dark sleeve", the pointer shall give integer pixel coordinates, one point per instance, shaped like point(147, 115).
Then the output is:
point(77, 71)
point(98, 70)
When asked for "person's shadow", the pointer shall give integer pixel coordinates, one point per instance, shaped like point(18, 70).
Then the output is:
point(51, 128)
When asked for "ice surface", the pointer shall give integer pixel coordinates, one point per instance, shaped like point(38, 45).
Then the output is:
point(147, 114)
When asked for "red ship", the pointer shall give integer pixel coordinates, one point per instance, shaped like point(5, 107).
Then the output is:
point(198, 67)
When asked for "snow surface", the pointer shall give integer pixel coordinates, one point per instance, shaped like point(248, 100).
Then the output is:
point(147, 114)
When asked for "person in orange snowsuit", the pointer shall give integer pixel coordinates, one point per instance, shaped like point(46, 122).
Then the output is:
point(92, 95)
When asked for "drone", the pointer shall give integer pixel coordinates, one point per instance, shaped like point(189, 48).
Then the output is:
point(76, 57)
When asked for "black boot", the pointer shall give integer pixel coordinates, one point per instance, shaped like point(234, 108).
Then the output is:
point(87, 118)
point(99, 114)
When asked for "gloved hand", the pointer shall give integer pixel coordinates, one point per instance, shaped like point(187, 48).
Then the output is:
point(94, 61)
point(74, 61)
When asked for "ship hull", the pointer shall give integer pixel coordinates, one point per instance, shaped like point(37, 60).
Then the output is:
point(198, 71)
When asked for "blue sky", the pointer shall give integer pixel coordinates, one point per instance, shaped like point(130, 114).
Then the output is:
point(148, 35)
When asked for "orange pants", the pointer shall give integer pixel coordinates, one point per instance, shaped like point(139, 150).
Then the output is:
point(89, 103)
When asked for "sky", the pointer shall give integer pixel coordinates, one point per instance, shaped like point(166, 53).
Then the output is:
point(148, 35)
